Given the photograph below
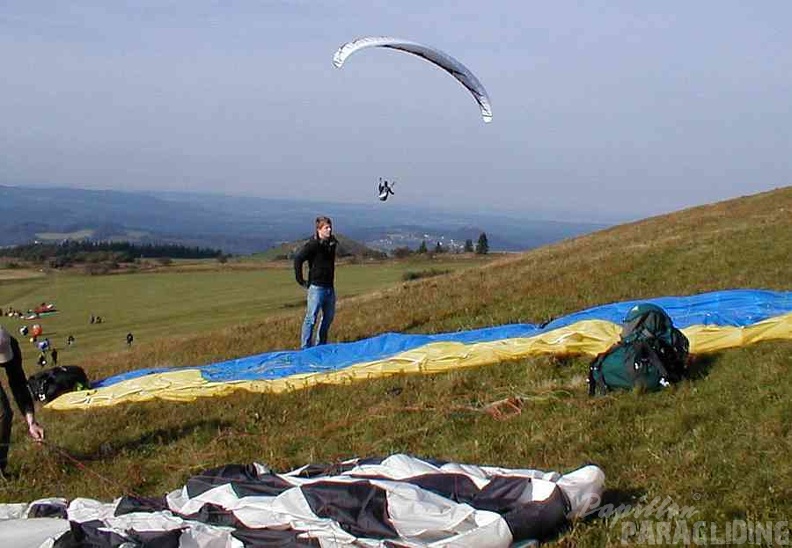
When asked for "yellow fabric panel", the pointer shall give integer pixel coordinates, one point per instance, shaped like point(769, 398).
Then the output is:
point(183, 385)
point(708, 338)
point(588, 337)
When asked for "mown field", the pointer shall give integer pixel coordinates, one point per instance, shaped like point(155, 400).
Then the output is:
point(185, 299)
point(718, 442)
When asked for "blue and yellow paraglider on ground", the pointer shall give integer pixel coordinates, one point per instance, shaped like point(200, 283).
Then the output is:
point(711, 321)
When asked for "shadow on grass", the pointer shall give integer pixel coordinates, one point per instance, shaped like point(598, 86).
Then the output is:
point(154, 439)
point(700, 365)
point(613, 501)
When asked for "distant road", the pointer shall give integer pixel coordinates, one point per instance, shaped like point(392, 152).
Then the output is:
point(20, 274)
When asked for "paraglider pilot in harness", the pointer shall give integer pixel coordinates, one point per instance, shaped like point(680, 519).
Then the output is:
point(385, 189)
point(11, 361)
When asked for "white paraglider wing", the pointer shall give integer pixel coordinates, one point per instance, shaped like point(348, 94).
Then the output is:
point(433, 55)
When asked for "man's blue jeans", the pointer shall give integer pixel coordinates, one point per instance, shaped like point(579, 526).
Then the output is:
point(320, 299)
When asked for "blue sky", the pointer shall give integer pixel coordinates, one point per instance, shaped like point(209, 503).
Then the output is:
point(602, 110)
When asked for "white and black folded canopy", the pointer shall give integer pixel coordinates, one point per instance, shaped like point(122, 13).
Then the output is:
point(399, 501)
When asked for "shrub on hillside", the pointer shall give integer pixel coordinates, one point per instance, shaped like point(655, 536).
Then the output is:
point(412, 275)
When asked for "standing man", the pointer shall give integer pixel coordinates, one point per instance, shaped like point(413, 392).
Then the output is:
point(320, 252)
point(11, 361)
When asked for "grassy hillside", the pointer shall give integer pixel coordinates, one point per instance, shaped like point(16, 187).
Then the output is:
point(718, 442)
point(164, 304)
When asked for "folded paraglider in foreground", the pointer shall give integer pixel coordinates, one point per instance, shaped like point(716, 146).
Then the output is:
point(396, 501)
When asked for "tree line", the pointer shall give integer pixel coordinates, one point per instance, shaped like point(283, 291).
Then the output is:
point(68, 252)
point(481, 248)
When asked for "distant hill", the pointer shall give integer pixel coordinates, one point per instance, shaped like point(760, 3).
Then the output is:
point(244, 225)
point(347, 247)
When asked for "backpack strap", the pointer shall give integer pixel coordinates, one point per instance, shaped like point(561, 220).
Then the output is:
point(591, 387)
point(596, 384)
point(651, 348)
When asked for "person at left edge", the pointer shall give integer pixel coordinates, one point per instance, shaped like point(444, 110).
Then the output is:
point(319, 252)
point(11, 361)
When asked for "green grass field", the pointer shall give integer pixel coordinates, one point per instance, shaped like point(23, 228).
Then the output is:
point(190, 298)
point(718, 442)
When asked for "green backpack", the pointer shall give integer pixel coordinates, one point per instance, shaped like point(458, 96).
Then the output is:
point(650, 354)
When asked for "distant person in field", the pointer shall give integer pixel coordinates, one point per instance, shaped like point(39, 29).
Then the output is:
point(129, 339)
point(319, 252)
point(11, 361)
point(54, 356)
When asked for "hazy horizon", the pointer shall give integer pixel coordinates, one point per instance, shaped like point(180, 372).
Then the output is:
point(619, 111)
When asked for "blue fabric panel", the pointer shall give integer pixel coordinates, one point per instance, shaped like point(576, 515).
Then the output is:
point(736, 307)
point(739, 307)
point(329, 357)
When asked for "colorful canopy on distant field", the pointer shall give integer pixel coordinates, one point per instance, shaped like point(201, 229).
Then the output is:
point(712, 322)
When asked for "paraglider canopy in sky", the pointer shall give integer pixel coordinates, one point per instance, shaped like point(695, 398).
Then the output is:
point(431, 54)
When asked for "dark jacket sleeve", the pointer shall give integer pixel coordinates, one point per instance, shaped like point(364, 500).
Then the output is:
point(17, 380)
point(303, 255)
